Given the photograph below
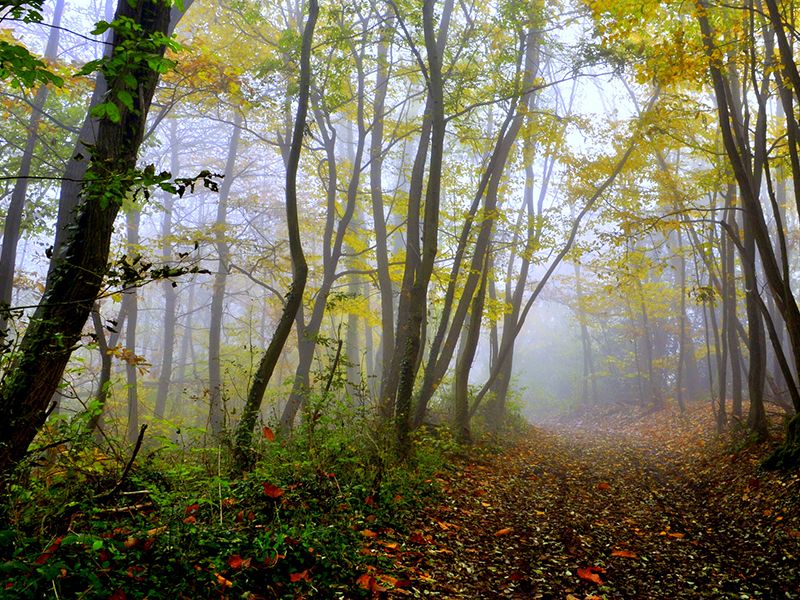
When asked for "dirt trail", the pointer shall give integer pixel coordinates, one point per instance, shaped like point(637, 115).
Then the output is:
point(657, 511)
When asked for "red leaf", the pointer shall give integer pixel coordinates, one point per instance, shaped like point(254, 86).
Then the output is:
point(118, 594)
point(419, 538)
point(237, 562)
point(591, 574)
point(192, 508)
point(504, 531)
point(624, 553)
point(268, 434)
point(603, 486)
point(273, 491)
point(368, 533)
point(302, 575)
point(368, 582)
point(48, 553)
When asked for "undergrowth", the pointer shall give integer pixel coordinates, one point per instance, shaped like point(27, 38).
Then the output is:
point(178, 526)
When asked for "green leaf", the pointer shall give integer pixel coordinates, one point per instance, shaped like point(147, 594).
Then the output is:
point(100, 28)
point(126, 99)
point(107, 110)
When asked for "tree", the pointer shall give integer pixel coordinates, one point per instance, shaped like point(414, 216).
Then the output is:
point(244, 431)
point(139, 41)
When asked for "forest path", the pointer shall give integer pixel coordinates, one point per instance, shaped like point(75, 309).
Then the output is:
point(659, 510)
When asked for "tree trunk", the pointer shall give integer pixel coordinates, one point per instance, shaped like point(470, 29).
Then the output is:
point(332, 247)
point(77, 272)
point(376, 195)
point(294, 298)
point(13, 223)
point(131, 301)
point(170, 295)
point(105, 346)
point(469, 346)
point(216, 408)
point(415, 288)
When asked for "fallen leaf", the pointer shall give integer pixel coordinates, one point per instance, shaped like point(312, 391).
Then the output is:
point(368, 533)
point(591, 574)
point(237, 562)
point(273, 491)
point(48, 553)
point(302, 575)
point(222, 581)
point(676, 535)
point(368, 582)
point(603, 486)
point(504, 531)
point(268, 434)
point(624, 553)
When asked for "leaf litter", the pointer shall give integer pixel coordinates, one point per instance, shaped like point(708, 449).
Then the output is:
point(608, 508)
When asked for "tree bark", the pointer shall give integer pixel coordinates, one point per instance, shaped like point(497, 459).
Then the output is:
point(77, 273)
point(131, 301)
point(244, 431)
point(216, 408)
point(170, 295)
point(13, 223)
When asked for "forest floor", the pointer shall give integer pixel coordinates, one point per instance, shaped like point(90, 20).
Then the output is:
point(620, 507)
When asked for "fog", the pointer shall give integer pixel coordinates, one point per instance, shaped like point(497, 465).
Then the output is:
point(575, 180)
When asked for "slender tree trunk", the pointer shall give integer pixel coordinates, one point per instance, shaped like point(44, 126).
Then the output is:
point(589, 380)
point(333, 244)
point(131, 301)
point(105, 346)
point(469, 346)
point(376, 195)
point(170, 295)
point(406, 356)
point(294, 298)
point(682, 326)
point(216, 407)
point(13, 222)
point(186, 343)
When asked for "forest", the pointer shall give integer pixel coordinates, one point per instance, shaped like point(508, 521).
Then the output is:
point(383, 298)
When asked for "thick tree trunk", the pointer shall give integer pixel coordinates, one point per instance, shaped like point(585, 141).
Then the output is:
point(77, 272)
